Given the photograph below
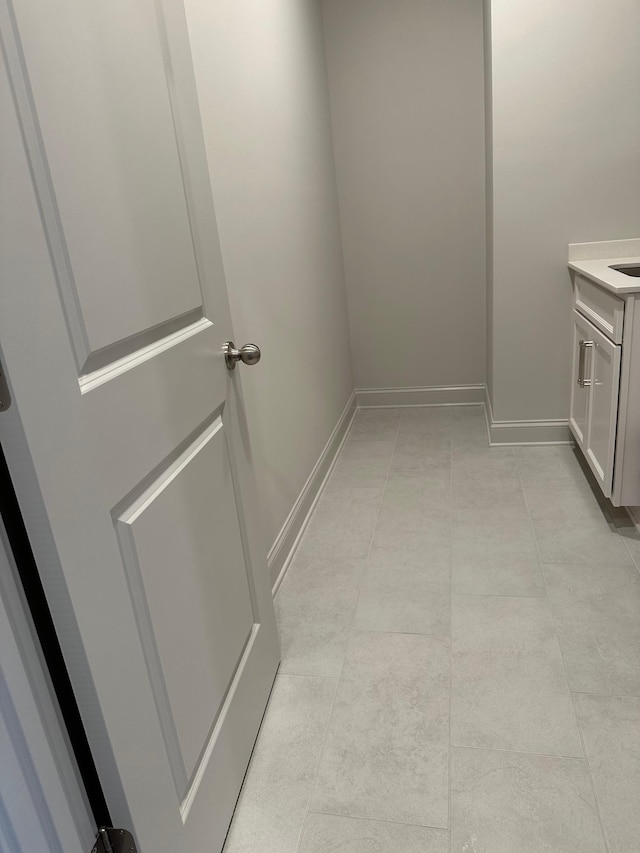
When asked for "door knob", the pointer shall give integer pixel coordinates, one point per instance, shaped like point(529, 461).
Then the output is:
point(248, 354)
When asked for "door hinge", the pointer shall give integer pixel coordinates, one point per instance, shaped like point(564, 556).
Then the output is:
point(5, 397)
point(112, 840)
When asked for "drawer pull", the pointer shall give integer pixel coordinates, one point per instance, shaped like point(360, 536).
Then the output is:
point(584, 345)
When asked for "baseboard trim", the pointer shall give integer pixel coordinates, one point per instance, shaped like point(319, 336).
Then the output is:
point(437, 395)
point(286, 541)
point(525, 432)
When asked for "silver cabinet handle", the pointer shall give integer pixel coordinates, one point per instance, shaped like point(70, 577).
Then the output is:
point(584, 345)
point(248, 354)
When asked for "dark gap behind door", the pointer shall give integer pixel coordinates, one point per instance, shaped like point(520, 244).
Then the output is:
point(41, 615)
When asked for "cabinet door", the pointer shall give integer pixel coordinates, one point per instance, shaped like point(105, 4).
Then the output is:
point(604, 373)
point(579, 410)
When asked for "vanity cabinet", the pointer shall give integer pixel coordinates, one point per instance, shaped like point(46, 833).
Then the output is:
point(604, 412)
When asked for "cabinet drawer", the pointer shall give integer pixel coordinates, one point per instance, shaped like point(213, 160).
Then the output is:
point(602, 308)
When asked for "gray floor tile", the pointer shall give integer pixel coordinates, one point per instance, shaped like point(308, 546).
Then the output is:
point(503, 802)
point(428, 494)
point(631, 539)
point(579, 540)
point(331, 834)
point(611, 730)
point(466, 416)
point(493, 552)
point(425, 420)
point(342, 523)
point(386, 753)
point(468, 430)
point(483, 462)
point(416, 514)
point(597, 612)
point(374, 424)
point(580, 500)
point(571, 527)
point(486, 529)
point(624, 524)
point(422, 454)
point(470, 439)
point(509, 690)
point(465, 445)
point(630, 536)
point(275, 796)
point(362, 464)
point(515, 573)
point(405, 594)
point(469, 420)
point(314, 608)
point(550, 466)
point(412, 530)
point(470, 491)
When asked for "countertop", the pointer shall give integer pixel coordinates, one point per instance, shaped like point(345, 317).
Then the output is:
point(593, 260)
point(612, 280)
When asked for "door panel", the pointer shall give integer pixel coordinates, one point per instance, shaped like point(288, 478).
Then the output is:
point(126, 438)
point(579, 410)
point(193, 606)
point(113, 165)
point(605, 379)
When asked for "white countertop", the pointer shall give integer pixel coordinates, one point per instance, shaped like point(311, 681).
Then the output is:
point(594, 260)
point(612, 280)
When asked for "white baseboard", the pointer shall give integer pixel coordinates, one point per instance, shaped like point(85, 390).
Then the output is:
point(525, 432)
point(437, 395)
point(286, 541)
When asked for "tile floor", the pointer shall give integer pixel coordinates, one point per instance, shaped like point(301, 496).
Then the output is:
point(460, 671)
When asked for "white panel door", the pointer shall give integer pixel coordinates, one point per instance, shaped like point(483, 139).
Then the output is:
point(126, 438)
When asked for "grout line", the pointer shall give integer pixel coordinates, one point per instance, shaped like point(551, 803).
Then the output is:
point(602, 564)
point(593, 784)
point(356, 630)
point(381, 820)
point(606, 695)
point(498, 594)
point(564, 664)
point(304, 675)
point(523, 752)
point(633, 559)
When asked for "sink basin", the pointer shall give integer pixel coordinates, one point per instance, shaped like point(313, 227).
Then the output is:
point(627, 269)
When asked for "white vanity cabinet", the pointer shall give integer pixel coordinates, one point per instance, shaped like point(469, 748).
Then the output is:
point(604, 412)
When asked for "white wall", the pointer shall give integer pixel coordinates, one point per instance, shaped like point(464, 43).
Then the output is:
point(566, 168)
point(406, 87)
point(261, 79)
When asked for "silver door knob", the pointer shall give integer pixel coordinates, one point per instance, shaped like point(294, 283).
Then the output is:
point(248, 354)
